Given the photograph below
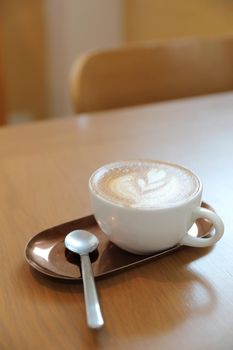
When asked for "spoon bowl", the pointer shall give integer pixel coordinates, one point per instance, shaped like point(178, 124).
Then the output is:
point(81, 242)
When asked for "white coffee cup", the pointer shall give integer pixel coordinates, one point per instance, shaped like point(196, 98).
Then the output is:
point(146, 226)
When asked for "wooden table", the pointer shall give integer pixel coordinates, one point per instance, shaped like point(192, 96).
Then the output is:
point(182, 301)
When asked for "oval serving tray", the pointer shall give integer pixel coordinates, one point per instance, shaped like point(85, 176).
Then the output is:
point(46, 251)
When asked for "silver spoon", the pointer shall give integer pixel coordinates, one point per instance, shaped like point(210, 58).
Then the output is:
point(83, 242)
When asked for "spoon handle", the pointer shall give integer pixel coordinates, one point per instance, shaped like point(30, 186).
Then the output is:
point(93, 311)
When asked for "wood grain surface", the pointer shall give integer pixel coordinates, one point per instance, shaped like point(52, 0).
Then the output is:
point(182, 301)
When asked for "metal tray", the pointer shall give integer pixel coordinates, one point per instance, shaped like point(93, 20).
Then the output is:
point(46, 251)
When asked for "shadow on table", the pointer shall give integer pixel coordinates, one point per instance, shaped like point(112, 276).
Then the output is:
point(160, 295)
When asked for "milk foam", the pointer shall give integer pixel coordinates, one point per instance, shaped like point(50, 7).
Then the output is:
point(146, 184)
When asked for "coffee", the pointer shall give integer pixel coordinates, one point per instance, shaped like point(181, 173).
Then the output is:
point(144, 184)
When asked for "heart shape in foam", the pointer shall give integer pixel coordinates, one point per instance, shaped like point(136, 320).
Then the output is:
point(144, 185)
point(151, 181)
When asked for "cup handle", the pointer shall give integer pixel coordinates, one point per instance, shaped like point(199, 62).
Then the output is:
point(205, 242)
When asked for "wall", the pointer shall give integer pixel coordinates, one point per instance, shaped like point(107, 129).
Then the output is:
point(75, 26)
point(24, 58)
point(2, 87)
point(150, 19)
point(41, 39)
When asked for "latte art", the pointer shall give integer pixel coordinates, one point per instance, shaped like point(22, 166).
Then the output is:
point(144, 184)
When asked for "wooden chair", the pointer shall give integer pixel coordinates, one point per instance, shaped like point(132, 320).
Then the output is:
point(150, 72)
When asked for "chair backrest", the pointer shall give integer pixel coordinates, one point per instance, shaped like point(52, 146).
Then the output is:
point(150, 72)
